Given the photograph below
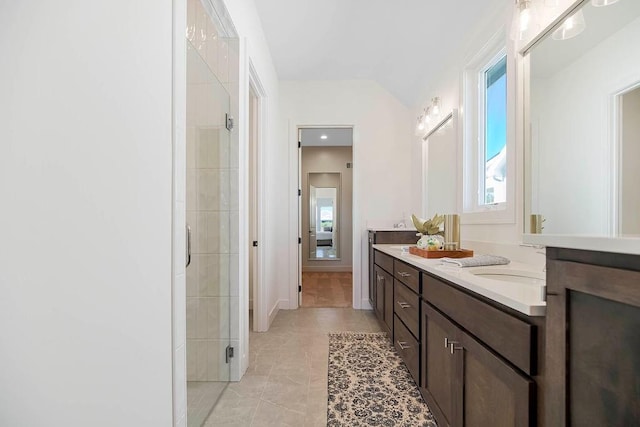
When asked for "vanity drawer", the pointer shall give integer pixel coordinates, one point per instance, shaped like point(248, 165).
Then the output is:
point(383, 260)
point(406, 305)
point(408, 275)
point(407, 347)
point(509, 336)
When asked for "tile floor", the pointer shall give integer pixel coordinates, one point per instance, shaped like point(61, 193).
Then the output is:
point(286, 384)
point(201, 396)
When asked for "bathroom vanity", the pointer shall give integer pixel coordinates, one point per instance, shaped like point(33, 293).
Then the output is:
point(380, 283)
point(490, 352)
point(475, 346)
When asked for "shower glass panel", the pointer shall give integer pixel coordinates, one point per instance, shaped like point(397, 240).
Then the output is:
point(208, 215)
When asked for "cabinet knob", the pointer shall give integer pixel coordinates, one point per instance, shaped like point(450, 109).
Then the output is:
point(403, 274)
point(403, 304)
point(453, 347)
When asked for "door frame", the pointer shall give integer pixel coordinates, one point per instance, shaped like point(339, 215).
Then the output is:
point(296, 289)
point(260, 309)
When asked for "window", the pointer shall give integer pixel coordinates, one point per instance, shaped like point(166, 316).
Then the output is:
point(488, 141)
point(492, 181)
point(326, 218)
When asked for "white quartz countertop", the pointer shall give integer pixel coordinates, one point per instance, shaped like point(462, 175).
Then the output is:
point(525, 298)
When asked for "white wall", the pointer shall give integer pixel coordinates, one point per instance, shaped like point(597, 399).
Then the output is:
point(501, 238)
point(382, 138)
point(85, 229)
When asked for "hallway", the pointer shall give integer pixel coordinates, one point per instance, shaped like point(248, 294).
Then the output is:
point(286, 383)
point(332, 289)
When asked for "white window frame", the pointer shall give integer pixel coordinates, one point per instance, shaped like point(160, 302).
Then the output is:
point(474, 212)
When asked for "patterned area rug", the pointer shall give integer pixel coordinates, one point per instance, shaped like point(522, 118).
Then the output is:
point(369, 385)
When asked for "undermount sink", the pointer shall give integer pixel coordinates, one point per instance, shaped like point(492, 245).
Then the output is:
point(512, 276)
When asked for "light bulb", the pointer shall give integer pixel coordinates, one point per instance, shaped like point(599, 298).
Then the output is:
point(525, 19)
point(435, 106)
point(420, 125)
point(427, 116)
point(571, 27)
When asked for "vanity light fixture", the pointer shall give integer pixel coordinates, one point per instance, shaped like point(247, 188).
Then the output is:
point(435, 106)
point(323, 136)
point(427, 116)
point(571, 27)
point(601, 3)
point(524, 19)
point(420, 125)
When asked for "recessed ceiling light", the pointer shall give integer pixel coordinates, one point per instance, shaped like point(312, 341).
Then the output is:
point(323, 136)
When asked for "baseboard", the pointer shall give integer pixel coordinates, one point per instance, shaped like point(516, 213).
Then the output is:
point(365, 304)
point(327, 269)
point(274, 311)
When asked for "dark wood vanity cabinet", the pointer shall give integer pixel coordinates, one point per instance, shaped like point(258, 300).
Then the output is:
point(439, 383)
point(383, 290)
point(480, 359)
point(406, 309)
point(381, 237)
point(593, 339)
point(476, 362)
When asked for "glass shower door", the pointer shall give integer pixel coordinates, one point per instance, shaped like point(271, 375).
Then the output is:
point(208, 216)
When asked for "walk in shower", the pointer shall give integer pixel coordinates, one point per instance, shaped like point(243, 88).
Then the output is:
point(212, 208)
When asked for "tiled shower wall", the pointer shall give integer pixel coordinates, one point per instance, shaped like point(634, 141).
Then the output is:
point(212, 196)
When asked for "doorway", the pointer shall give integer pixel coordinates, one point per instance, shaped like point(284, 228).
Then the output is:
point(628, 174)
point(325, 216)
point(254, 115)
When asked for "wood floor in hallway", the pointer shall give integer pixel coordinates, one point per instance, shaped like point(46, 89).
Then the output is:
point(327, 289)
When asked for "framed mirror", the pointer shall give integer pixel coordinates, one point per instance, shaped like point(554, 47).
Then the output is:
point(582, 125)
point(324, 218)
point(439, 151)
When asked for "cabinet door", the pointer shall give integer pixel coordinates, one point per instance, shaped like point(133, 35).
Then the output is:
point(388, 301)
point(379, 292)
point(372, 279)
point(439, 365)
point(494, 393)
point(593, 319)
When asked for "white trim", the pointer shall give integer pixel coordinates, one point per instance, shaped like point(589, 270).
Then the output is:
point(453, 117)
point(328, 268)
point(274, 310)
point(260, 319)
point(178, 276)
point(295, 182)
point(615, 137)
point(472, 213)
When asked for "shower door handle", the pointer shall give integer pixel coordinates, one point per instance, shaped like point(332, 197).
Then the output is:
point(188, 246)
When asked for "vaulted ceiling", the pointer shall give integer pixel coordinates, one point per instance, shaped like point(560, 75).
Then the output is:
point(401, 44)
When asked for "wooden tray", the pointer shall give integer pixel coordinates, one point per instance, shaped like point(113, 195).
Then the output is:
point(460, 253)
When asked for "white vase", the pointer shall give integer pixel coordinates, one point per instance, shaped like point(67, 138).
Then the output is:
point(433, 242)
